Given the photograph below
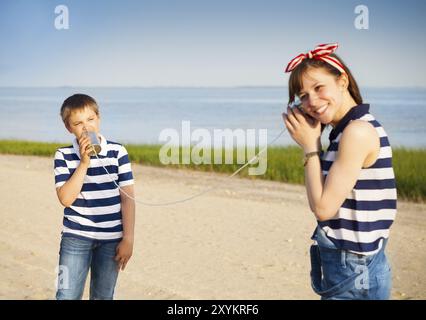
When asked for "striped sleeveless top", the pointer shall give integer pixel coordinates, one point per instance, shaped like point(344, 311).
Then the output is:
point(364, 218)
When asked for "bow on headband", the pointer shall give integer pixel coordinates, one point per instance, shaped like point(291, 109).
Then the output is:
point(321, 52)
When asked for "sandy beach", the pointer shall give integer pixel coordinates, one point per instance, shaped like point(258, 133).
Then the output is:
point(248, 239)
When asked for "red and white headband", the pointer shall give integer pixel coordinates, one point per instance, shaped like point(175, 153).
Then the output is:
point(321, 52)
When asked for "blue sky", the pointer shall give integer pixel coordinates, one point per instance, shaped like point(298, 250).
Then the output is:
point(205, 43)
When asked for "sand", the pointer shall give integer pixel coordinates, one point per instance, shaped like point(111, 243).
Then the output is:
point(247, 240)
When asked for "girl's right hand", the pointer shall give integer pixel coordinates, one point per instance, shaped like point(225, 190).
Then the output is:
point(84, 143)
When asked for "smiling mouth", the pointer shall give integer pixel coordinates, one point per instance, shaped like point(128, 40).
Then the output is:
point(321, 110)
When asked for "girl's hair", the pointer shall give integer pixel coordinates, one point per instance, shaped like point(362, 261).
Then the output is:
point(77, 102)
point(295, 81)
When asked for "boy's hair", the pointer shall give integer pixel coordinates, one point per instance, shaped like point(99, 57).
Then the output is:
point(295, 81)
point(77, 102)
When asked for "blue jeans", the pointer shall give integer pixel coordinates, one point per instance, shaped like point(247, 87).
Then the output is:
point(76, 256)
point(342, 275)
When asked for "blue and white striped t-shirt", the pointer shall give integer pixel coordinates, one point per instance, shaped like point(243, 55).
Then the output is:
point(96, 213)
point(369, 210)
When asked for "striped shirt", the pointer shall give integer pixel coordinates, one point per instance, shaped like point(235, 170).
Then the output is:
point(96, 212)
point(369, 210)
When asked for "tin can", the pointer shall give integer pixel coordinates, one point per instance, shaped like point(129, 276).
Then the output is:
point(94, 141)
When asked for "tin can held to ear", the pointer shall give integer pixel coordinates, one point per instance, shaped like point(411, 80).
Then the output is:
point(94, 141)
point(296, 103)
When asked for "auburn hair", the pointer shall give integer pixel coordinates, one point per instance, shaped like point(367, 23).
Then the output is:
point(295, 80)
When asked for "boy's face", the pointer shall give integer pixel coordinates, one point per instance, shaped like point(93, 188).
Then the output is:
point(81, 118)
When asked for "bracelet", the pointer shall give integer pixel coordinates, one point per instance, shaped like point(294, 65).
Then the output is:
point(310, 155)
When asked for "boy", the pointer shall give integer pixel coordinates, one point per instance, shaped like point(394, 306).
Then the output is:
point(98, 224)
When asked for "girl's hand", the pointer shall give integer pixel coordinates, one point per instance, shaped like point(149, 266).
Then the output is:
point(305, 130)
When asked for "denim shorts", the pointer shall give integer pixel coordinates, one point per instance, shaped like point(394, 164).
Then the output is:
point(342, 275)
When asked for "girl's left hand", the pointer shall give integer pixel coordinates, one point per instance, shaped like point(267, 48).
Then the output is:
point(305, 130)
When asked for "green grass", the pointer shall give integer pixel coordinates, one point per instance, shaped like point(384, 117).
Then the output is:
point(284, 164)
point(410, 173)
point(28, 148)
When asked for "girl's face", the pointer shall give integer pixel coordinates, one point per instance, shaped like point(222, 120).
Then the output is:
point(321, 95)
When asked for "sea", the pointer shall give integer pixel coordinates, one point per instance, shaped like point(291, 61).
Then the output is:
point(139, 115)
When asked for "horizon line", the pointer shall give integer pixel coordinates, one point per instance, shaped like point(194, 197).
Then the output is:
point(190, 87)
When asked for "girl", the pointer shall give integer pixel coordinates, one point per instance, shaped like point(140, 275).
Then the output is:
point(350, 187)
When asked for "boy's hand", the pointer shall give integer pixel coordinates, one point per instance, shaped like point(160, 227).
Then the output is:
point(124, 253)
point(84, 143)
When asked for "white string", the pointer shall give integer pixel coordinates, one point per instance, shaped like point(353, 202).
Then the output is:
point(197, 194)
